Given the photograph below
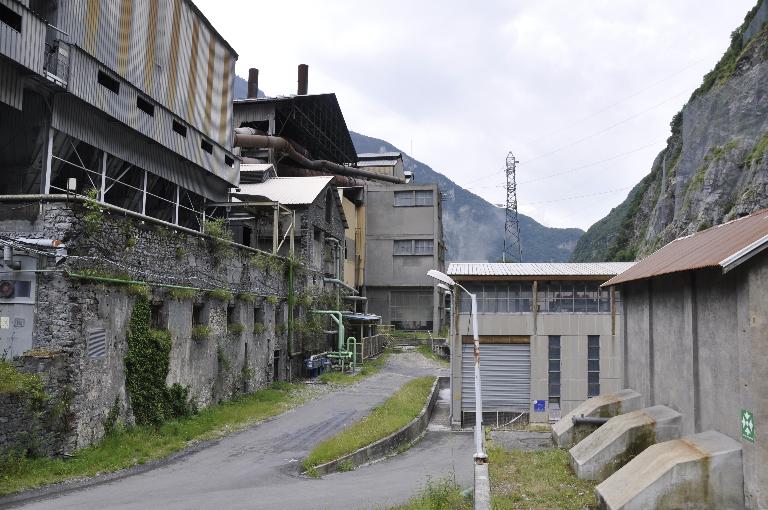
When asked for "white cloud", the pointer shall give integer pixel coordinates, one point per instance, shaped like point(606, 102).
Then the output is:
point(467, 83)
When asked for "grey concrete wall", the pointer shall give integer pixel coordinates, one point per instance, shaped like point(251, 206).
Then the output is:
point(573, 330)
point(697, 342)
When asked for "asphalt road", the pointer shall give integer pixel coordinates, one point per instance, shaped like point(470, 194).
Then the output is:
point(259, 468)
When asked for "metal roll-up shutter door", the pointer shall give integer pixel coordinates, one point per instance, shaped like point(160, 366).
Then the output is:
point(505, 373)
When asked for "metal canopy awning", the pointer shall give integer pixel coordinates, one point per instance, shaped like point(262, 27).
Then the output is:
point(361, 317)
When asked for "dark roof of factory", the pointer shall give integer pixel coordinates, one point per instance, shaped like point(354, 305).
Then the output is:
point(725, 246)
point(314, 121)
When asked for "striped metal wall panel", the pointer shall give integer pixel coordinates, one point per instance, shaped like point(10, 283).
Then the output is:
point(86, 123)
point(11, 85)
point(84, 84)
point(166, 50)
point(28, 46)
point(505, 377)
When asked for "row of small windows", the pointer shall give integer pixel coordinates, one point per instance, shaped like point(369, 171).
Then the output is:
point(552, 297)
point(414, 247)
point(147, 107)
point(414, 198)
point(554, 369)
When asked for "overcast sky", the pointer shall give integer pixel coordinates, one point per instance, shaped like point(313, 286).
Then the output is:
point(584, 90)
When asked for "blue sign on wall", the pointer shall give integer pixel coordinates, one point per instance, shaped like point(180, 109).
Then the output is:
point(539, 405)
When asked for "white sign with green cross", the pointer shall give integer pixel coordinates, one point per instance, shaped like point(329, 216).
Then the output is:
point(747, 426)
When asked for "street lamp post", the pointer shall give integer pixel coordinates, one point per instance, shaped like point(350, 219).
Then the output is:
point(480, 456)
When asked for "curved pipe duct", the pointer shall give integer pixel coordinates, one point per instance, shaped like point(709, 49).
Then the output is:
point(252, 141)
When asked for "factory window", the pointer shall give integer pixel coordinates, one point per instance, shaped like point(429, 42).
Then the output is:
point(10, 18)
point(593, 365)
point(573, 297)
point(229, 161)
point(180, 128)
point(418, 198)
point(145, 106)
point(231, 315)
point(108, 82)
point(157, 318)
point(423, 198)
point(499, 297)
point(554, 369)
point(206, 146)
point(414, 247)
point(197, 315)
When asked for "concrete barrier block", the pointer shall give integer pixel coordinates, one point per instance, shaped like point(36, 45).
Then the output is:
point(621, 439)
point(565, 434)
point(698, 471)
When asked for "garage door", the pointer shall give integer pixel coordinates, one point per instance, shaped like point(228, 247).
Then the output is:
point(505, 373)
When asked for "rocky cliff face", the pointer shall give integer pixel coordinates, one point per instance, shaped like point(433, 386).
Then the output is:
point(715, 165)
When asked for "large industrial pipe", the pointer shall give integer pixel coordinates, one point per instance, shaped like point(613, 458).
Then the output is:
point(253, 83)
point(249, 141)
point(303, 80)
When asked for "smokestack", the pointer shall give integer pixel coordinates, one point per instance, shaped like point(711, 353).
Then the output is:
point(303, 79)
point(253, 83)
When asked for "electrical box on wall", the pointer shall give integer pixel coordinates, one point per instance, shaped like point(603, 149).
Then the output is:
point(18, 293)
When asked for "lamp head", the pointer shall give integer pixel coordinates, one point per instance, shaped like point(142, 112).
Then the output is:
point(441, 277)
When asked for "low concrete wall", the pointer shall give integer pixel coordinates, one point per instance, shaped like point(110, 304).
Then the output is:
point(482, 492)
point(387, 445)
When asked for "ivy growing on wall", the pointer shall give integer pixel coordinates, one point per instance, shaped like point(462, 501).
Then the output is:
point(146, 368)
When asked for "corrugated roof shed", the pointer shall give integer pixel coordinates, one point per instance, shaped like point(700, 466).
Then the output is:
point(379, 155)
point(538, 269)
point(286, 190)
point(725, 246)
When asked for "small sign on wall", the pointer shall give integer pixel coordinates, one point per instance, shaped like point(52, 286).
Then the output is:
point(747, 425)
point(5, 322)
point(539, 406)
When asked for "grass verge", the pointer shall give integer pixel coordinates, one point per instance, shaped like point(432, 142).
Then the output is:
point(542, 479)
point(370, 367)
point(397, 411)
point(426, 351)
point(441, 494)
point(138, 445)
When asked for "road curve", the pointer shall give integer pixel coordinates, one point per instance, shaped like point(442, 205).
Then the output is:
point(259, 467)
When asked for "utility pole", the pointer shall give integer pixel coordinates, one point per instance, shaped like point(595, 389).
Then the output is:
point(513, 250)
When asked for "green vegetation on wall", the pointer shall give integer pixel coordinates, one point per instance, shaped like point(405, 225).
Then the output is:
point(146, 368)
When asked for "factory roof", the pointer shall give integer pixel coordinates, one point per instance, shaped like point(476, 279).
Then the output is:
point(500, 270)
point(286, 190)
point(379, 155)
point(376, 162)
point(724, 246)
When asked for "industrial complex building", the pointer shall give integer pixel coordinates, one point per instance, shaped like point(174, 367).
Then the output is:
point(137, 193)
point(549, 338)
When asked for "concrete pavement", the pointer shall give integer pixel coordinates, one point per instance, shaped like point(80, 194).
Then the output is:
point(259, 468)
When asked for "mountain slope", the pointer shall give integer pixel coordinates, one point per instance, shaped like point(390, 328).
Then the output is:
point(714, 167)
point(473, 228)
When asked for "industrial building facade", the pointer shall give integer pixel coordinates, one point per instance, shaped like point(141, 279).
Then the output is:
point(695, 337)
point(403, 240)
point(548, 338)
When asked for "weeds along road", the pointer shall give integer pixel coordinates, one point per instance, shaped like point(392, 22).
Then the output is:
point(259, 467)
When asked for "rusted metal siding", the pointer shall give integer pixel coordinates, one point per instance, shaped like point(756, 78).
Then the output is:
point(709, 248)
point(11, 87)
point(86, 123)
point(122, 106)
point(164, 48)
point(26, 47)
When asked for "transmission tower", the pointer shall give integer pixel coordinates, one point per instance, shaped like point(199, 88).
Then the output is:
point(513, 250)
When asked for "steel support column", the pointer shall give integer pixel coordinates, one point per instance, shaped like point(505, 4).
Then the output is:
point(144, 194)
point(45, 181)
point(176, 211)
point(103, 187)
